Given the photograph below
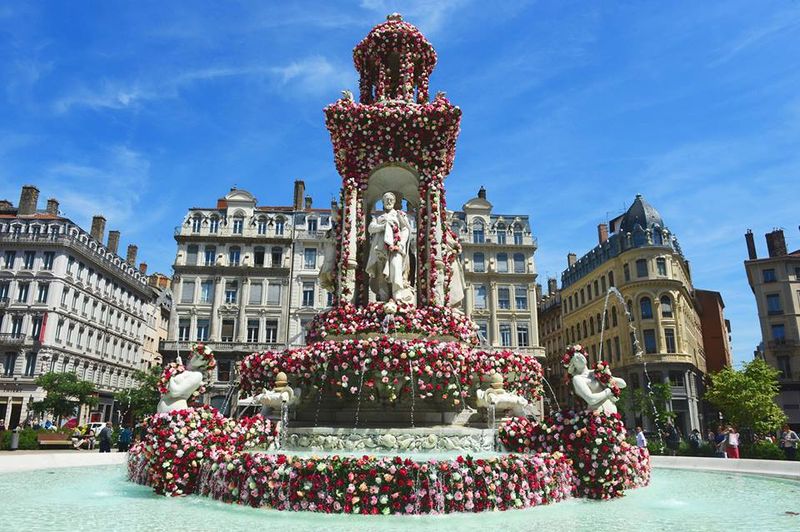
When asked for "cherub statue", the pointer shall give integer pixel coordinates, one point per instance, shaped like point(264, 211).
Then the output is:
point(183, 382)
point(280, 394)
point(347, 95)
point(502, 400)
point(598, 388)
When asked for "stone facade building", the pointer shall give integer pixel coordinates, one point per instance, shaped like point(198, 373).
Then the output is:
point(500, 274)
point(68, 302)
point(638, 256)
point(716, 330)
point(775, 281)
point(551, 336)
point(157, 329)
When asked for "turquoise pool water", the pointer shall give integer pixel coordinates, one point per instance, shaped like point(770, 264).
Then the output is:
point(100, 498)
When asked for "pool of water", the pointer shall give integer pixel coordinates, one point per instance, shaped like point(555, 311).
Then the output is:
point(99, 498)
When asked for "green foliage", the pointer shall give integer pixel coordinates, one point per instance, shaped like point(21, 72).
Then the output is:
point(763, 450)
point(746, 397)
point(142, 400)
point(65, 393)
point(27, 440)
point(637, 402)
point(687, 450)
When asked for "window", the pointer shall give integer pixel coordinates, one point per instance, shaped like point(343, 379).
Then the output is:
point(252, 331)
point(483, 330)
point(277, 257)
point(669, 340)
point(224, 370)
point(661, 266)
point(191, 255)
point(47, 260)
point(626, 272)
point(279, 225)
point(183, 330)
point(519, 263)
point(213, 226)
point(617, 350)
point(36, 327)
point(591, 326)
point(778, 332)
point(4, 286)
point(589, 291)
point(774, 304)
point(8, 262)
point(501, 233)
point(521, 297)
point(503, 298)
point(646, 308)
point(505, 334)
point(27, 260)
point(596, 288)
point(310, 258)
point(641, 268)
point(308, 294)
point(11, 361)
point(785, 367)
point(274, 294)
point(613, 316)
point(522, 335)
point(196, 224)
point(231, 291)
point(583, 297)
point(256, 292)
point(480, 296)
point(610, 278)
point(768, 275)
point(271, 331)
point(238, 225)
point(202, 330)
point(70, 333)
point(59, 329)
point(603, 284)
point(258, 256)
point(517, 236)
point(228, 330)
point(41, 294)
point(650, 341)
point(479, 263)
point(206, 291)
point(666, 307)
point(502, 263)
point(30, 364)
point(676, 379)
point(608, 353)
point(209, 255)
point(22, 292)
point(262, 226)
point(311, 223)
point(16, 327)
point(478, 236)
point(234, 256)
point(187, 292)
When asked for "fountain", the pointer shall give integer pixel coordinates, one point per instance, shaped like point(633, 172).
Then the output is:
point(393, 402)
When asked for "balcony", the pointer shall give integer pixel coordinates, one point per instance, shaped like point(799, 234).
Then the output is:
point(15, 339)
point(4, 301)
point(184, 346)
point(783, 344)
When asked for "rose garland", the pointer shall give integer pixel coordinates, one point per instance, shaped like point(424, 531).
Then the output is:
point(173, 368)
point(601, 370)
point(392, 369)
point(348, 319)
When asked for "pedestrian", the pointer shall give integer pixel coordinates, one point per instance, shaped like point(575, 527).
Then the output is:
point(695, 440)
point(711, 438)
point(673, 439)
point(125, 436)
point(721, 443)
point(2, 425)
point(789, 441)
point(105, 438)
point(641, 441)
point(732, 443)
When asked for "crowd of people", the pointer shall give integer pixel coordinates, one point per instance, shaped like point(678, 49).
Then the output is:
point(85, 437)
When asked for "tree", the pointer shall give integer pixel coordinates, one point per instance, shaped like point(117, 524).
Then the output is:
point(637, 402)
point(65, 393)
point(142, 400)
point(746, 397)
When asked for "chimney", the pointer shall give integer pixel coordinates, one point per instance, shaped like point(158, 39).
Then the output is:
point(28, 199)
point(131, 257)
point(538, 289)
point(52, 206)
point(299, 192)
point(482, 193)
point(113, 241)
point(98, 227)
point(308, 203)
point(751, 245)
point(143, 268)
point(602, 233)
point(5, 205)
point(776, 243)
point(571, 259)
point(552, 286)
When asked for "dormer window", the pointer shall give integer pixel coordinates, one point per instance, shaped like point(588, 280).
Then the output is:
point(196, 224)
point(478, 236)
point(279, 226)
point(262, 226)
point(238, 225)
point(312, 224)
point(213, 226)
point(517, 235)
point(501, 233)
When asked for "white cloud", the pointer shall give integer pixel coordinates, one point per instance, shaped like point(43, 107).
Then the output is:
point(315, 75)
point(428, 15)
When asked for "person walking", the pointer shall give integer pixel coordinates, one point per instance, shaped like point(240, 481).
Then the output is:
point(105, 438)
point(125, 436)
point(695, 440)
point(673, 439)
point(641, 441)
point(733, 442)
point(789, 441)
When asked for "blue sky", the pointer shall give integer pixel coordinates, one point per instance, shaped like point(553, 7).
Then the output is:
point(138, 110)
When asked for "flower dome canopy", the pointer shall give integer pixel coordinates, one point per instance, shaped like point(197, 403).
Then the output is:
point(641, 213)
point(393, 60)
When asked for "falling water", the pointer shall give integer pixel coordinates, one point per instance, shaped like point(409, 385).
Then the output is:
point(638, 352)
point(412, 376)
point(555, 399)
point(284, 424)
point(360, 387)
point(319, 394)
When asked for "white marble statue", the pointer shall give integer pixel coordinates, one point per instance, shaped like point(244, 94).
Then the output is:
point(452, 247)
point(280, 394)
point(598, 397)
point(327, 279)
point(503, 401)
point(183, 385)
point(388, 265)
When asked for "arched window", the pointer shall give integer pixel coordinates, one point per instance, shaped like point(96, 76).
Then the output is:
point(591, 325)
point(258, 256)
point(502, 263)
point(478, 262)
point(277, 257)
point(501, 233)
point(213, 226)
point(599, 323)
point(238, 225)
point(478, 236)
point(519, 263)
point(280, 223)
point(234, 256)
point(613, 316)
point(646, 308)
point(584, 329)
point(666, 307)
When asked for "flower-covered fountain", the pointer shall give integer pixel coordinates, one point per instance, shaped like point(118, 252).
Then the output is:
point(392, 407)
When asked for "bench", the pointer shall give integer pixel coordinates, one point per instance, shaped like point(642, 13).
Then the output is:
point(54, 439)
